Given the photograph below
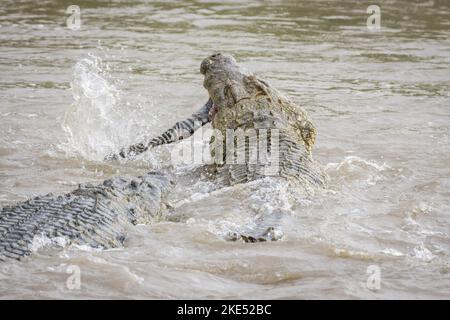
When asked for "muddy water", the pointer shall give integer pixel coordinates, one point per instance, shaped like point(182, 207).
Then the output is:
point(379, 99)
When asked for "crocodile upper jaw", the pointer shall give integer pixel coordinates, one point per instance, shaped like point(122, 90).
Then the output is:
point(223, 80)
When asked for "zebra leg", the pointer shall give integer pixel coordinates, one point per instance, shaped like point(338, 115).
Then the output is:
point(181, 130)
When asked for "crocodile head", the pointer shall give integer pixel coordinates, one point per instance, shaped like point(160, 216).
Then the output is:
point(223, 80)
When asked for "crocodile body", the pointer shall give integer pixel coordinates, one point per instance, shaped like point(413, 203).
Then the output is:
point(99, 215)
point(243, 102)
point(96, 215)
point(250, 109)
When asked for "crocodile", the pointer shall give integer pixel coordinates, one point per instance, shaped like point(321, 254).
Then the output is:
point(99, 215)
point(257, 133)
point(95, 215)
point(250, 118)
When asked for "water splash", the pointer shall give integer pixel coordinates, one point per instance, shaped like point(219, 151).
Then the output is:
point(356, 169)
point(99, 121)
point(354, 163)
point(41, 241)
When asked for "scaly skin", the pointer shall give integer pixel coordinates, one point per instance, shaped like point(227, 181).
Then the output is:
point(245, 102)
point(99, 215)
point(94, 215)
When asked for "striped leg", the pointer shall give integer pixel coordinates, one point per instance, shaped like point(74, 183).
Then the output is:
point(181, 130)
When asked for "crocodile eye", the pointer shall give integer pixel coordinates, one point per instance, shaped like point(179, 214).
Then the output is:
point(216, 55)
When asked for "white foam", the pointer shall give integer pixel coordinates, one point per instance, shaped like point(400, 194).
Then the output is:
point(353, 162)
point(40, 241)
point(392, 252)
point(422, 253)
point(99, 121)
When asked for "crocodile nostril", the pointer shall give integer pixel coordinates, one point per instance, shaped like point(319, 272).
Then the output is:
point(216, 55)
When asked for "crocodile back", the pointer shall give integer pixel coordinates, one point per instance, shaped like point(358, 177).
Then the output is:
point(95, 215)
point(272, 135)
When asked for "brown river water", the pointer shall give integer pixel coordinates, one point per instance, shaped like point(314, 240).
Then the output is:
point(379, 98)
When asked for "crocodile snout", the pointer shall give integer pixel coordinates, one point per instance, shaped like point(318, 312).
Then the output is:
point(206, 63)
point(222, 79)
